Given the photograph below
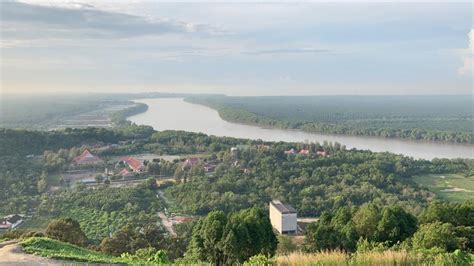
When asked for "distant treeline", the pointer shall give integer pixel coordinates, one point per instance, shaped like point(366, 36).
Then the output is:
point(25, 142)
point(120, 117)
point(391, 120)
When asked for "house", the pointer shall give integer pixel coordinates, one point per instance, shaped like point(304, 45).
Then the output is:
point(11, 221)
point(304, 152)
point(87, 157)
point(125, 173)
point(290, 152)
point(322, 153)
point(135, 165)
point(209, 167)
point(263, 147)
point(180, 219)
point(283, 217)
point(190, 162)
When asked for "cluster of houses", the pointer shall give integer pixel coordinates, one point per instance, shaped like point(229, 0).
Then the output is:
point(190, 162)
point(305, 152)
point(131, 165)
point(11, 222)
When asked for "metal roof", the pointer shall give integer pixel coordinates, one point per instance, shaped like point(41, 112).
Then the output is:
point(283, 208)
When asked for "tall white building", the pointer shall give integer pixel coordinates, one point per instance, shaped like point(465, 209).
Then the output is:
point(283, 217)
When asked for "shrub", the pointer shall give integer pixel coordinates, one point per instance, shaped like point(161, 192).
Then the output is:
point(436, 235)
point(260, 260)
point(66, 230)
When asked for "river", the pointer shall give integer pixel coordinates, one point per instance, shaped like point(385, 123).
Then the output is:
point(176, 114)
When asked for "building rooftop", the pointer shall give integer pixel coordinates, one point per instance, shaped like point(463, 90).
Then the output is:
point(283, 208)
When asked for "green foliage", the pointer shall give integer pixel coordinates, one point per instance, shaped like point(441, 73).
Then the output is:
point(59, 250)
point(260, 260)
point(221, 239)
point(120, 117)
point(412, 117)
point(103, 211)
point(395, 225)
point(285, 245)
point(458, 214)
point(342, 230)
point(436, 235)
point(311, 184)
point(148, 243)
point(66, 230)
point(148, 256)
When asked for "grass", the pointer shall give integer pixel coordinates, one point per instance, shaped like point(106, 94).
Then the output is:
point(320, 258)
point(54, 249)
point(37, 223)
point(439, 183)
point(388, 257)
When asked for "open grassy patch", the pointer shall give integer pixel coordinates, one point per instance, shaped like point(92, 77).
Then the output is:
point(451, 187)
point(37, 223)
point(58, 250)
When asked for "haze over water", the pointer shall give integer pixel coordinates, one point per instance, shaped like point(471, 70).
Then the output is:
point(175, 114)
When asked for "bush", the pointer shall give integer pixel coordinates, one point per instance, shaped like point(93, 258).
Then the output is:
point(66, 230)
point(436, 235)
point(147, 255)
point(260, 260)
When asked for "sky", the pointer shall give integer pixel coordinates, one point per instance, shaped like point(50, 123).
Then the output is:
point(239, 48)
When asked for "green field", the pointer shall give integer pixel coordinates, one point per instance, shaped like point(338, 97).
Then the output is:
point(58, 250)
point(451, 187)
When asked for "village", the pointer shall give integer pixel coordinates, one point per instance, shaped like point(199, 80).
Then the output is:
point(93, 166)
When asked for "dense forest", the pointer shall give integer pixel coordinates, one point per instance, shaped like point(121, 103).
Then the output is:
point(408, 117)
point(313, 185)
point(366, 201)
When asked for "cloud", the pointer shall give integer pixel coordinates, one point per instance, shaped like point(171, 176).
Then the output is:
point(22, 21)
point(289, 51)
point(468, 68)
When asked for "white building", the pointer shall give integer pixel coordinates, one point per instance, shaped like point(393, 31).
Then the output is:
point(11, 221)
point(283, 217)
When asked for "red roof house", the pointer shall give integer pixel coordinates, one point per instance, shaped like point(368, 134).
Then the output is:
point(322, 153)
point(11, 221)
point(304, 152)
point(134, 164)
point(290, 152)
point(125, 173)
point(87, 157)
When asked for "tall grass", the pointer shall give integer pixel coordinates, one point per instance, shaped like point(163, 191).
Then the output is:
point(388, 257)
point(319, 258)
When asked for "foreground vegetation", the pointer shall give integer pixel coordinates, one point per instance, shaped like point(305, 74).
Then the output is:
point(55, 249)
point(408, 117)
point(369, 204)
point(387, 257)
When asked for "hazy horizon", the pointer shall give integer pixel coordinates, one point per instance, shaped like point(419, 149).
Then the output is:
point(236, 49)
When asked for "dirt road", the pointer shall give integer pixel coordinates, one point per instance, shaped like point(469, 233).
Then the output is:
point(167, 223)
point(11, 253)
